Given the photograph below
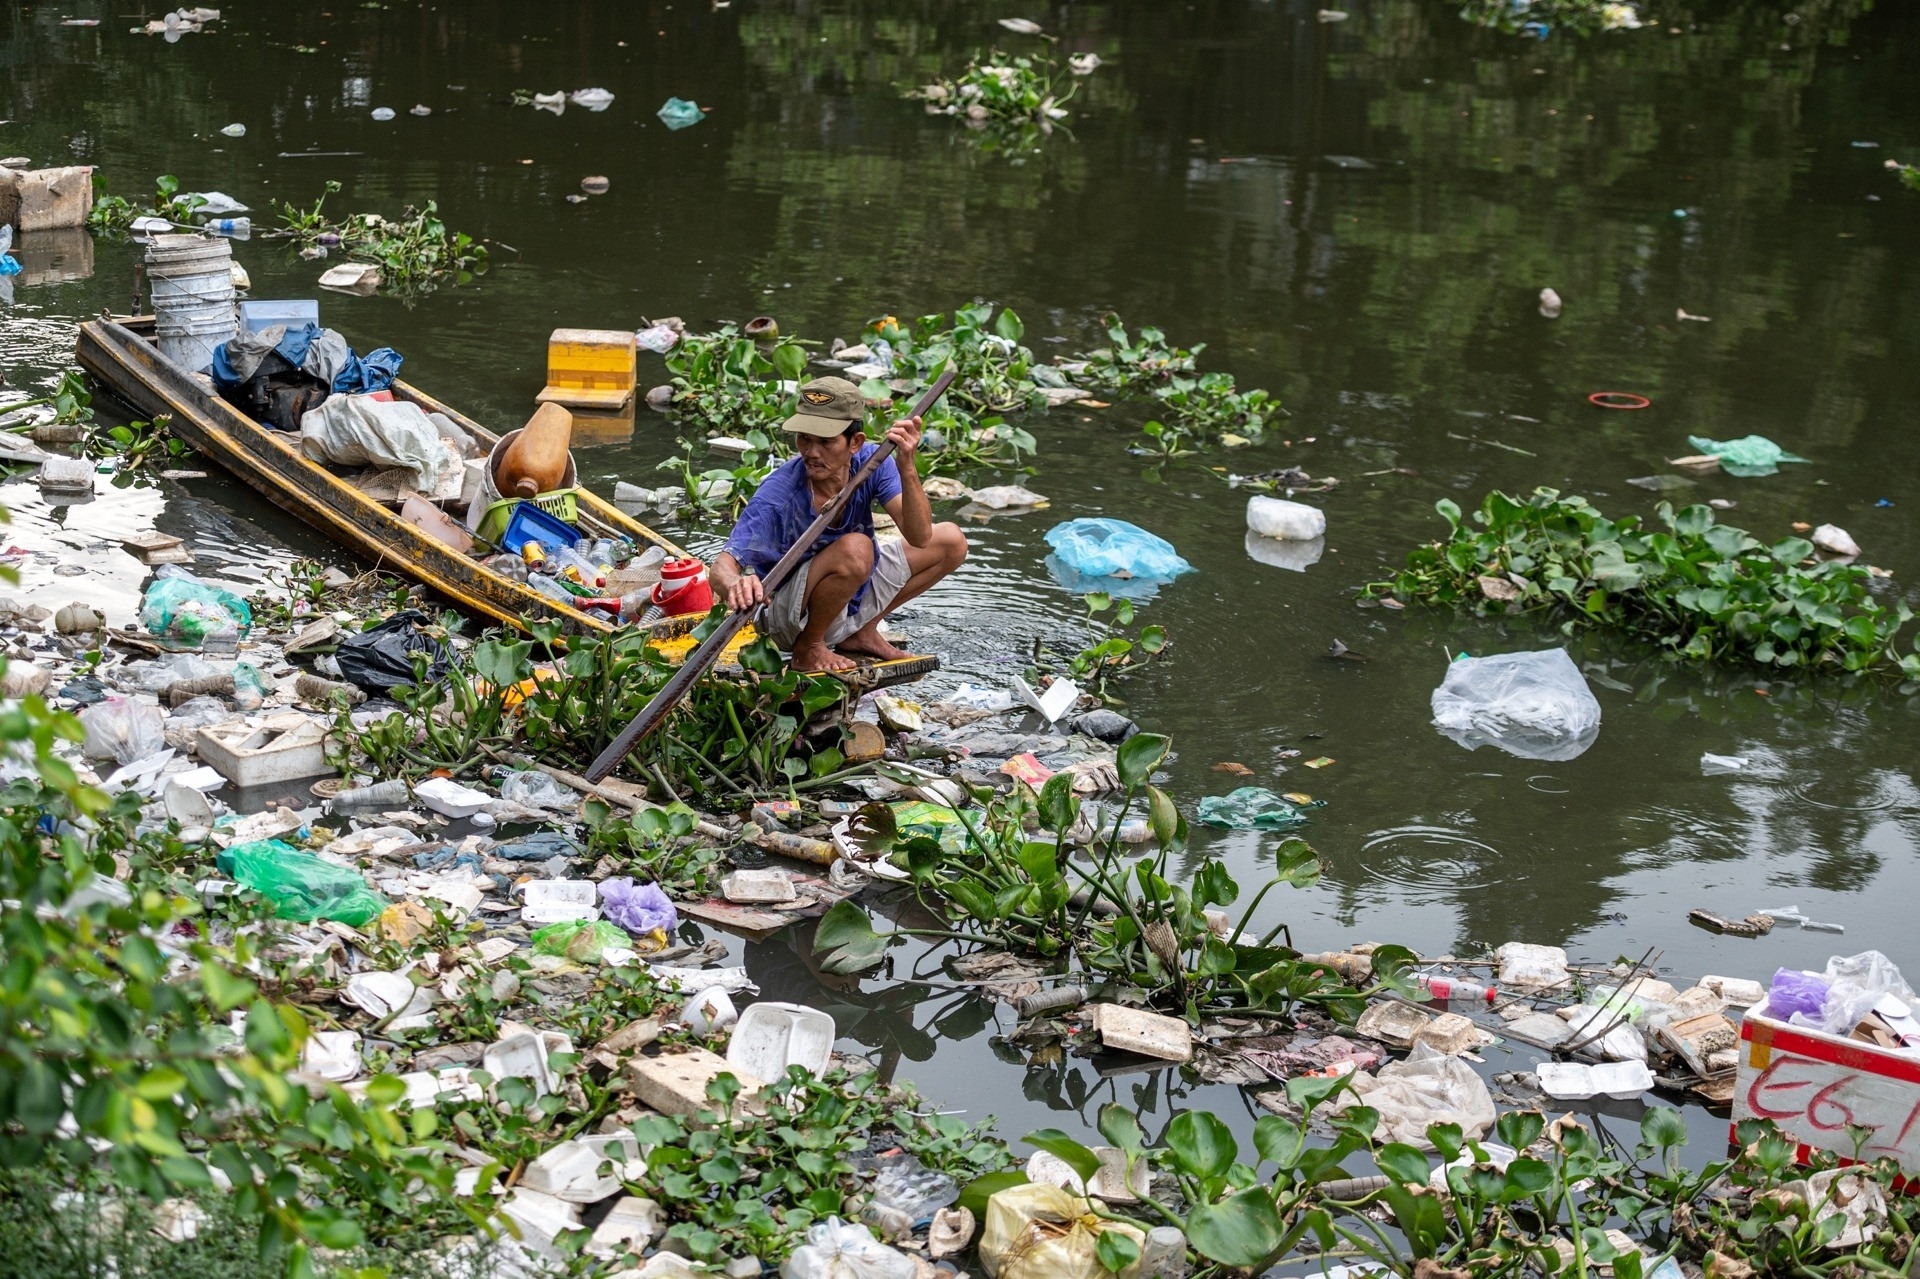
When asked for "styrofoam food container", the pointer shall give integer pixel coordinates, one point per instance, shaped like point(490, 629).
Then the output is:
point(554, 901)
point(449, 798)
point(772, 1036)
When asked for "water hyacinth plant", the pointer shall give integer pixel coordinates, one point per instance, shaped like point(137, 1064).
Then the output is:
point(1540, 17)
point(1700, 590)
point(415, 252)
point(1005, 89)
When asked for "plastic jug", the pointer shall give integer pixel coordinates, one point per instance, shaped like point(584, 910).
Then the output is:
point(536, 461)
point(683, 588)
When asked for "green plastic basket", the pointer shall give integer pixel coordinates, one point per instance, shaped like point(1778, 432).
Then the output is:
point(562, 504)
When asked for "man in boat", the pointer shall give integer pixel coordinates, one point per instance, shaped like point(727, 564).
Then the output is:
point(832, 604)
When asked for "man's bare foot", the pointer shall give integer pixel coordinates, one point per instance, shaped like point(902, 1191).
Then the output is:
point(818, 657)
point(867, 642)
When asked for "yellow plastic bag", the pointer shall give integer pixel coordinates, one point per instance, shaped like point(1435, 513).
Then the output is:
point(1043, 1232)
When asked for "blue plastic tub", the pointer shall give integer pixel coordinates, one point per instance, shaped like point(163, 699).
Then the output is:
point(529, 523)
point(258, 316)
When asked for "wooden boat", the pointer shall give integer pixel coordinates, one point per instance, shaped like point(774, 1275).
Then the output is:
point(122, 356)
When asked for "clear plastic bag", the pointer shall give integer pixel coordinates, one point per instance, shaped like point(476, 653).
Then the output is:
point(534, 789)
point(301, 886)
point(837, 1249)
point(122, 730)
point(1533, 705)
point(1114, 548)
point(1855, 983)
point(189, 611)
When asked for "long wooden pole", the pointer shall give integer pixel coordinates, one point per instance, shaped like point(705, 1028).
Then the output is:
point(702, 658)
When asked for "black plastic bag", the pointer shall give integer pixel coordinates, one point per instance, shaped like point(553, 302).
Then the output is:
point(381, 660)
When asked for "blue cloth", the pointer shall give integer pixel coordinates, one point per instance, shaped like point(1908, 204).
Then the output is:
point(780, 510)
point(378, 369)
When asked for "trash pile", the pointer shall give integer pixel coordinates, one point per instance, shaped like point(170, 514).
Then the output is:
point(514, 507)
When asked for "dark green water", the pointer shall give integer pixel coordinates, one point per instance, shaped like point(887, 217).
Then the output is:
point(1358, 216)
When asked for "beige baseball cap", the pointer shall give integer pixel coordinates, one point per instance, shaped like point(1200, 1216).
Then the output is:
point(828, 406)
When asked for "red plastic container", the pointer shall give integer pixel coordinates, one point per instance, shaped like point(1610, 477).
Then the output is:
point(683, 588)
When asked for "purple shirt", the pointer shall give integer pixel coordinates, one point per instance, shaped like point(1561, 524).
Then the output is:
point(780, 510)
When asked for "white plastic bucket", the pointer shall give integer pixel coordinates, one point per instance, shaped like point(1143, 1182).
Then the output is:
point(193, 303)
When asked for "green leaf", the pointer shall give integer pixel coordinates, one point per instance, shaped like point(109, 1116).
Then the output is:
point(845, 941)
point(1242, 1230)
point(1122, 1129)
point(1201, 1143)
point(789, 361)
point(1521, 1128)
point(1279, 1140)
point(226, 990)
point(1116, 1250)
point(159, 1084)
point(1627, 1266)
point(1525, 1179)
point(1308, 1091)
point(1138, 756)
point(1064, 1148)
point(1040, 861)
point(1663, 1129)
point(1008, 326)
point(1420, 1218)
point(1403, 1162)
point(1059, 807)
point(1163, 818)
point(1295, 862)
point(1393, 968)
point(974, 1196)
point(1213, 885)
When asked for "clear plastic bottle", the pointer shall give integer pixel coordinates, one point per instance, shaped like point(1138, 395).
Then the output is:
point(391, 792)
point(550, 588)
point(1443, 987)
point(589, 573)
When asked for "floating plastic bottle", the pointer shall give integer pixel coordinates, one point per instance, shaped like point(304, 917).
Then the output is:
point(1453, 988)
point(391, 792)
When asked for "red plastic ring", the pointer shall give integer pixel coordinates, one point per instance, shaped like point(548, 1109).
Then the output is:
point(1618, 400)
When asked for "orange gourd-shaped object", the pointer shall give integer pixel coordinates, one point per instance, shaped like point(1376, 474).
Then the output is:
point(536, 461)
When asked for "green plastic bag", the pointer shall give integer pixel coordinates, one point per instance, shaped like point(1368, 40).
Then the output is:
point(1251, 808)
point(301, 886)
point(583, 941)
point(188, 611)
point(678, 113)
point(1747, 457)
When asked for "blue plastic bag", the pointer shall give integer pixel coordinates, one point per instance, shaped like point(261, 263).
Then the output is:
point(7, 264)
point(1114, 548)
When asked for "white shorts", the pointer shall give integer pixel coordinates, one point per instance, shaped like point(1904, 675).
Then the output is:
point(786, 612)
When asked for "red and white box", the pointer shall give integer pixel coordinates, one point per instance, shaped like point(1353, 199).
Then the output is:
point(1817, 1086)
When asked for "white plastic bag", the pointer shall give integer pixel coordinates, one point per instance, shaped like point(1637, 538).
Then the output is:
point(837, 1249)
point(354, 430)
point(122, 730)
point(1290, 521)
point(1533, 705)
point(1427, 1088)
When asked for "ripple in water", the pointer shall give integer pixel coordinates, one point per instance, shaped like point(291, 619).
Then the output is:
point(1548, 784)
point(1819, 792)
point(1430, 860)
